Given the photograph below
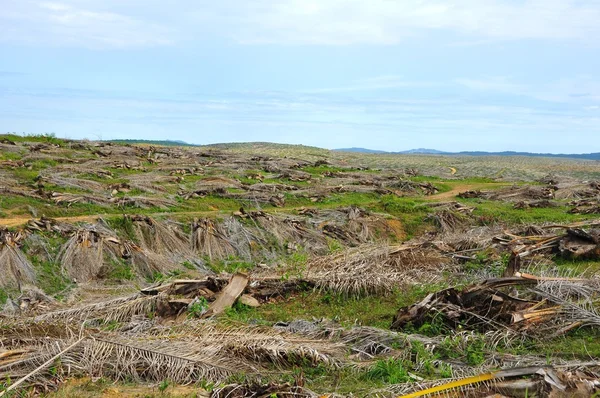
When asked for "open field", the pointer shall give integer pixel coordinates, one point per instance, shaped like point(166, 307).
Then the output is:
point(263, 270)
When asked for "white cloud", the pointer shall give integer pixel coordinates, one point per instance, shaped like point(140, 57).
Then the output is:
point(340, 22)
point(62, 24)
point(578, 89)
point(125, 23)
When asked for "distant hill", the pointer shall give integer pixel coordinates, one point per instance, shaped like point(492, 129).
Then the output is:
point(153, 142)
point(361, 150)
point(588, 156)
point(424, 150)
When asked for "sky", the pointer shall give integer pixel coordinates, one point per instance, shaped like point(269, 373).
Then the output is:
point(452, 75)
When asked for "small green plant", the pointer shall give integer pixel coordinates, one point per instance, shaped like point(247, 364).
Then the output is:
point(197, 308)
point(121, 271)
point(389, 371)
point(3, 296)
point(334, 246)
point(163, 385)
point(475, 352)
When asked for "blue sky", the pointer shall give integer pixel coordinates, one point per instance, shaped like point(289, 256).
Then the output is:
point(384, 74)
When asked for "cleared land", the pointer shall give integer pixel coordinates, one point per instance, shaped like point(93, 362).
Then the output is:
point(274, 270)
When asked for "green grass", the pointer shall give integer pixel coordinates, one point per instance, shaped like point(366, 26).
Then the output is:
point(49, 138)
point(412, 212)
point(229, 265)
point(50, 276)
point(375, 311)
point(10, 155)
point(578, 267)
point(578, 344)
point(121, 271)
point(489, 212)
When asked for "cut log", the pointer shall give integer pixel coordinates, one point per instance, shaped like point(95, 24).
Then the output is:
point(228, 295)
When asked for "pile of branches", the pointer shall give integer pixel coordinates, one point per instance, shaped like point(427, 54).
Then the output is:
point(513, 194)
point(452, 216)
point(585, 206)
point(544, 306)
point(408, 186)
point(185, 354)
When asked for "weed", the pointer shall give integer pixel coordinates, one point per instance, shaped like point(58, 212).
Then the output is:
point(389, 371)
point(197, 308)
point(121, 271)
point(229, 265)
point(163, 385)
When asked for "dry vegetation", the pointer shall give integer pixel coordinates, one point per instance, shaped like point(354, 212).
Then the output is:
point(260, 270)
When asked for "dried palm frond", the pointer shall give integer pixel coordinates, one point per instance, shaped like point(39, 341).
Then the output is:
point(209, 239)
point(15, 268)
point(582, 312)
point(375, 268)
point(365, 342)
point(147, 263)
point(82, 257)
point(472, 239)
point(261, 345)
point(450, 221)
point(143, 202)
point(292, 232)
point(119, 309)
point(248, 239)
point(70, 198)
point(71, 182)
point(153, 360)
point(160, 237)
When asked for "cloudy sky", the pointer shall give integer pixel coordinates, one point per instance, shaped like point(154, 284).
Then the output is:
point(382, 74)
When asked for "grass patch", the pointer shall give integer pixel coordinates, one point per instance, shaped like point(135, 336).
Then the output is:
point(376, 311)
point(489, 212)
point(578, 267)
point(229, 265)
point(121, 271)
point(412, 212)
point(49, 138)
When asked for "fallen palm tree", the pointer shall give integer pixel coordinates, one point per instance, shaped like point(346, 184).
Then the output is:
point(489, 305)
point(375, 268)
point(45, 224)
point(184, 354)
point(512, 194)
point(83, 255)
point(247, 237)
point(71, 198)
point(143, 202)
point(72, 182)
